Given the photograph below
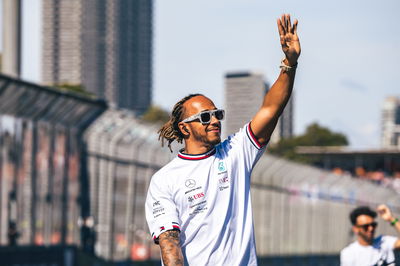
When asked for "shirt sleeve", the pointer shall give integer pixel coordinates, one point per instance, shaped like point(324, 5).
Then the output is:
point(388, 242)
point(345, 259)
point(161, 211)
point(244, 145)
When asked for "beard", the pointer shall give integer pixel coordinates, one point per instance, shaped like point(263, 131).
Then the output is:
point(366, 237)
point(204, 139)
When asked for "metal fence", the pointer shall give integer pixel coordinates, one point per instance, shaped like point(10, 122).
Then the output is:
point(298, 210)
point(304, 210)
point(49, 143)
point(40, 157)
point(123, 154)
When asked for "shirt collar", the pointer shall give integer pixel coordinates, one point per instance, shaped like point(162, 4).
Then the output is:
point(194, 157)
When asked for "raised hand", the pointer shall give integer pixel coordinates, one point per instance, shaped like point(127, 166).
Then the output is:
point(385, 213)
point(289, 39)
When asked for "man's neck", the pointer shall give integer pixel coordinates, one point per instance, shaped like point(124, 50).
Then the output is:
point(194, 148)
point(363, 242)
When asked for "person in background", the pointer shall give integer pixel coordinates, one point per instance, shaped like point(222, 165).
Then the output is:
point(369, 250)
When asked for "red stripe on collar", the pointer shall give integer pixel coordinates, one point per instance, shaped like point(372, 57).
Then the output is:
point(196, 156)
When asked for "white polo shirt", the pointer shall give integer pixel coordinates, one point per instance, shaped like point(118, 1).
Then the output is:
point(379, 253)
point(207, 197)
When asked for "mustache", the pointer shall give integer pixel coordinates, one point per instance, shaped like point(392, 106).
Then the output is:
point(214, 128)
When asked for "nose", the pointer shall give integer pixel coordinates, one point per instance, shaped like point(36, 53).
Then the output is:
point(214, 119)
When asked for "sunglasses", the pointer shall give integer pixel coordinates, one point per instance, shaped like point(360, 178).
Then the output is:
point(366, 226)
point(205, 116)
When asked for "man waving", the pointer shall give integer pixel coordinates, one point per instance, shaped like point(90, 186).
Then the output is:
point(198, 206)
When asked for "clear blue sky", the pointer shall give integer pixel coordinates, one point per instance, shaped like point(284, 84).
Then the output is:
point(349, 61)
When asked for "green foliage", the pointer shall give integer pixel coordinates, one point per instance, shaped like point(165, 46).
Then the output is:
point(75, 88)
point(155, 114)
point(315, 135)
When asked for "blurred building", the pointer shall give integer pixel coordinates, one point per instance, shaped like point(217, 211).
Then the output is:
point(244, 94)
point(11, 54)
point(103, 45)
point(390, 131)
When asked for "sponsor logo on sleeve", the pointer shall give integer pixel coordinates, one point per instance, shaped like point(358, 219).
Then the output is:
point(158, 209)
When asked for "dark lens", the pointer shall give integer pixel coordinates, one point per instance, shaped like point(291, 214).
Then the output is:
point(366, 226)
point(205, 117)
point(219, 114)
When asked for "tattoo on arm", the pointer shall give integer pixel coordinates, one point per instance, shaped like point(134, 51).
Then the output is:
point(170, 248)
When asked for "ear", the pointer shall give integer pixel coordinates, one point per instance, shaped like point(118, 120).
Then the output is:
point(184, 129)
point(355, 229)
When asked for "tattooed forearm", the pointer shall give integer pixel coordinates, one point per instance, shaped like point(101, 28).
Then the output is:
point(170, 248)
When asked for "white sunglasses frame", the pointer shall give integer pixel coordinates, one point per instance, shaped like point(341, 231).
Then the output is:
point(198, 116)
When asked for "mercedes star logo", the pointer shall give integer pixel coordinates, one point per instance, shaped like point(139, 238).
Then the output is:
point(190, 183)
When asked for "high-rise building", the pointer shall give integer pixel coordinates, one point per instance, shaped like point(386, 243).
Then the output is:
point(11, 57)
point(244, 94)
point(103, 45)
point(390, 134)
point(62, 54)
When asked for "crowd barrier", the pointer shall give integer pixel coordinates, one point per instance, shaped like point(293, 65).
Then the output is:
point(41, 178)
point(305, 210)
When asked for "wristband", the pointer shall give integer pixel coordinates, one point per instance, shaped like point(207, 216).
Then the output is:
point(285, 67)
point(394, 221)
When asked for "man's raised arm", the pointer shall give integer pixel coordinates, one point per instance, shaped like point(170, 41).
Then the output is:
point(265, 120)
point(386, 214)
point(171, 252)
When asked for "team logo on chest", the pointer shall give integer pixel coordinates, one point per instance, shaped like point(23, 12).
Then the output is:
point(221, 167)
point(190, 183)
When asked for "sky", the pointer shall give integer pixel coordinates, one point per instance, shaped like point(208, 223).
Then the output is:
point(349, 61)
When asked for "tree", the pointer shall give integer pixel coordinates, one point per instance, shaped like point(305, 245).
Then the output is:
point(155, 114)
point(315, 135)
point(75, 88)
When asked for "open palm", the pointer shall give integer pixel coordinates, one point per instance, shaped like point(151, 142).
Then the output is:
point(289, 39)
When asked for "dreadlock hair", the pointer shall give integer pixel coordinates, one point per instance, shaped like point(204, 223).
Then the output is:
point(170, 130)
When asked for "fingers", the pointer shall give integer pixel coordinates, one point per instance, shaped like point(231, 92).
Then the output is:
point(289, 24)
point(281, 32)
point(295, 26)
point(285, 25)
point(382, 208)
point(281, 28)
